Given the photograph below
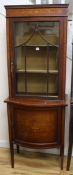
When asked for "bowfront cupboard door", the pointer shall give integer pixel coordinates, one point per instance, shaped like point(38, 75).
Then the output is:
point(36, 57)
point(39, 127)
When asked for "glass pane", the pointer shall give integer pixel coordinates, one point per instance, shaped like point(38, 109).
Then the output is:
point(20, 83)
point(36, 33)
point(53, 59)
point(36, 84)
point(52, 85)
point(36, 47)
point(20, 59)
point(36, 59)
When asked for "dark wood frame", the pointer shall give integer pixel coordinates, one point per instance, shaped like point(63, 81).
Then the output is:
point(62, 67)
point(61, 49)
point(35, 13)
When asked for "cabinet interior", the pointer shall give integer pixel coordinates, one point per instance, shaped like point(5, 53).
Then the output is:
point(36, 47)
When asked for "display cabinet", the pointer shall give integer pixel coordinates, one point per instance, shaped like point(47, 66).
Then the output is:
point(36, 47)
point(71, 120)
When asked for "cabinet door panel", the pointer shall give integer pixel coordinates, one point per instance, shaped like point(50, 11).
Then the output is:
point(36, 57)
point(37, 126)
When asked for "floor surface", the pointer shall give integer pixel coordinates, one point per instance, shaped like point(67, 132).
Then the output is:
point(29, 163)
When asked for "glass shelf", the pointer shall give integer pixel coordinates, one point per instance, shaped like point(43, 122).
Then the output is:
point(53, 71)
point(37, 71)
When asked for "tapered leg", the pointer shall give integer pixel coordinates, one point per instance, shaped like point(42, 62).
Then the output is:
point(12, 155)
point(62, 156)
point(69, 156)
point(70, 145)
point(10, 124)
point(17, 148)
point(62, 137)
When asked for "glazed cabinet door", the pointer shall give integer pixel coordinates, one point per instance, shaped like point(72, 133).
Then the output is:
point(36, 55)
point(37, 127)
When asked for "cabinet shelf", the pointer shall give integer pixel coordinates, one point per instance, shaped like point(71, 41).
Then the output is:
point(37, 94)
point(31, 71)
point(53, 71)
point(37, 71)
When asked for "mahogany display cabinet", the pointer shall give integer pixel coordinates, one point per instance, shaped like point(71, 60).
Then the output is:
point(71, 121)
point(36, 47)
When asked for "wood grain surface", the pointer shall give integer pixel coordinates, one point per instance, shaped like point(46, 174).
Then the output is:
point(30, 163)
